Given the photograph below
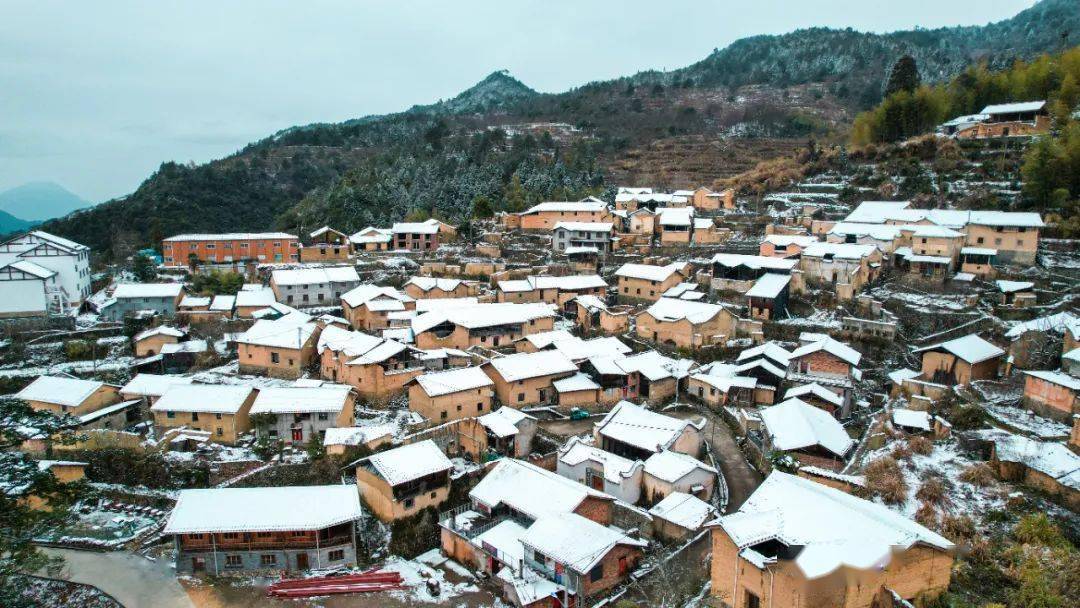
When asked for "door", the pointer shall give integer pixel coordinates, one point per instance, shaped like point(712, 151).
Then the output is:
point(624, 566)
point(301, 561)
point(298, 435)
point(198, 564)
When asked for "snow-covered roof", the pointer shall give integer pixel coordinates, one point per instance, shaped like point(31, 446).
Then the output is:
point(649, 272)
point(795, 424)
point(1057, 323)
point(211, 398)
point(591, 302)
point(639, 427)
point(846, 251)
point(281, 508)
point(529, 586)
point(191, 346)
point(676, 216)
point(616, 468)
point(816, 390)
point(1025, 219)
point(684, 510)
point(912, 419)
point(528, 489)
point(521, 366)
point(584, 226)
point(190, 301)
point(577, 382)
point(324, 230)
point(1013, 286)
point(371, 234)
point(833, 528)
point(1013, 108)
point(831, 346)
point(544, 339)
point(429, 283)
point(147, 290)
point(575, 541)
point(504, 421)
point(565, 206)
point(771, 350)
point(299, 400)
point(315, 276)
point(223, 303)
point(898, 376)
point(505, 537)
point(65, 392)
point(876, 212)
point(734, 260)
point(1051, 458)
point(152, 385)
point(769, 285)
point(577, 349)
point(784, 240)
point(356, 435)
point(672, 309)
point(581, 249)
point(363, 294)
point(31, 268)
point(880, 212)
point(977, 251)
point(291, 331)
point(967, 119)
point(160, 330)
point(725, 378)
point(231, 236)
point(930, 259)
point(263, 296)
point(970, 348)
point(1059, 378)
point(672, 466)
point(409, 462)
point(453, 381)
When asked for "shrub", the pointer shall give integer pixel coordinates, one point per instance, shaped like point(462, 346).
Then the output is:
point(958, 527)
point(932, 491)
point(927, 515)
point(920, 445)
point(885, 480)
point(901, 452)
point(78, 350)
point(966, 417)
point(979, 474)
point(1037, 529)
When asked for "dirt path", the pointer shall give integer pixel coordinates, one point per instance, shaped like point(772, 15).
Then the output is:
point(133, 580)
point(742, 479)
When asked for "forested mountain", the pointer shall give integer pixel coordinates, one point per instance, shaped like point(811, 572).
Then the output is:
point(503, 141)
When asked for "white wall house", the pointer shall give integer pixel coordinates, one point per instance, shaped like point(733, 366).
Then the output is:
point(29, 290)
point(68, 259)
point(313, 286)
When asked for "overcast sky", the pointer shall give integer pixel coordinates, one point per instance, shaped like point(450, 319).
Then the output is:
point(95, 95)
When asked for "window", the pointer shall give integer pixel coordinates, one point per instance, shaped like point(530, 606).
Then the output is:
point(409, 502)
point(336, 555)
point(220, 432)
point(234, 561)
point(267, 559)
point(596, 573)
point(442, 416)
point(194, 416)
point(170, 414)
point(232, 535)
point(217, 416)
point(264, 534)
point(521, 397)
point(752, 601)
point(459, 407)
point(299, 533)
point(275, 358)
point(1020, 242)
point(210, 246)
point(323, 416)
point(479, 407)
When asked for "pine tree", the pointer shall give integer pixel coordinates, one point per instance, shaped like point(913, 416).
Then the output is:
point(143, 269)
point(481, 207)
point(904, 76)
point(514, 196)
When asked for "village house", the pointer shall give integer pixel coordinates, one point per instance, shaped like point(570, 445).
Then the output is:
point(1033, 344)
point(338, 440)
point(269, 247)
point(679, 515)
point(221, 410)
point(192, 303)
point(551, 289)
point(327, 245)
point(767, 299)
point(403, 481)
point(64, 471)
point(704, 199)
point(37, 259)
point(686, 324)
point(668, 471)
point(566, 235)
point(648, 375)
point(544, 216)
point(131, 298)
point(645, 282)
point(960, 361)
point(577, 391)
point(802, 544)
point(451, 394)
point(808, 433)
point(633, 199)
point(93, 404)
point(506, 432)
point(301, 413)
point(844, 266)
point(420, 236)
point(372, 239)
point(1052, 394)
point(289, 528)
point(785, 245)
point(721, 385)
point(148, 388)
point(592, 314)
point(819, 397)
point(828, 363)
point(738, 272)
point(430, 287)
point(252, 298)
point(486, 325)
point(1023, 119)
point(313, 286)
point(281, 348)
point(1016, 294)
point(1047, 466)
point(148, 342)
point(675, 226)
point(375, 367)
point(526, 379)
point(602, 471)
point(367, 307)
point(634, 432)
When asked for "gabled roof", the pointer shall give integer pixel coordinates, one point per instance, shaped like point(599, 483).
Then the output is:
point(1057, 323)
point(577, 382)
point(833, 528)
point(300, 400)
point(970, 348)
point(503, 421)
point(577, 349)
point(563, 206)
point(847, 251)
point(672, 309)
point(66, 392)
point(684, 510)
point(522, 366)
point(639, 427)
point(282, 508)
point(223, 303)
point(649, 272)
point(362, 294)
point(148, 290)
point(616, 468)
point(160, 330)
point(734, 260)
point(315, 276)
point(1014, 108)
point(290, 331)
point(831, 346)
point(32, 269)
point(1013, 286)
point(1050, 458)
point(263, 296)
point(583, 226)
point(429, 283)
point(372, 234)
point(528, 489)
point(152, 385)
point(453, 381)
point(672, 466)
point(483, 315)
point(427, 227)
point(575, 541)
point(409, 462)
point(212, 398)
point(771, 350)
point(769, 285)
point(816, 390)
point(912, 419)
point(795, 425)
point(789, 239)
point(1061, 379)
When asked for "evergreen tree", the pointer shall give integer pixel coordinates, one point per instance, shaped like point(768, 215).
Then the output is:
point(904, 76)
point(143, 269)
point(514, 196)
point(481, 207)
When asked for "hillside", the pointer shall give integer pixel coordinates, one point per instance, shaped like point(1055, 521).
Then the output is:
point(36, 201)
point(9, 223)
point(500, 139)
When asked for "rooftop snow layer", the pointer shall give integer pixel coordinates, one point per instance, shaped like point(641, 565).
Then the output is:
point(284, 508)
point(299, 400)
point(528, 489)
point(521, 366)
point(795, 425)
point(211, 398)
point(66, 392)
point(684, 510)
point(408, 462)
point(453, 381)
point(672, 466)
point(970, 348)
point(639, 427)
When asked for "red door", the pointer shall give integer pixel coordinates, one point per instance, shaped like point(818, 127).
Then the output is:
point(298, 435)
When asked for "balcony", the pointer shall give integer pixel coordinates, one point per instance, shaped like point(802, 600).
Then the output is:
point(256, 544)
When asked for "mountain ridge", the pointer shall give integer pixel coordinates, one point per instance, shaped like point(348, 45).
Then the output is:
point(40, 200)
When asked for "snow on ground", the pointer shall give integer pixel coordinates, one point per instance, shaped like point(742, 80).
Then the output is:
point(416, 574)
point(71, 367)
point(922, 302)
point(820, 318)
point(1026, 421)
point(109, 528)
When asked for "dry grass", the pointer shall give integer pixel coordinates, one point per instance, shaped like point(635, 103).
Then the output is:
point(901, 452)
point(885, 479)
point(920, 445)
point(932, 491)
point(927, 515)
point(980, 474)
point(958, 528)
